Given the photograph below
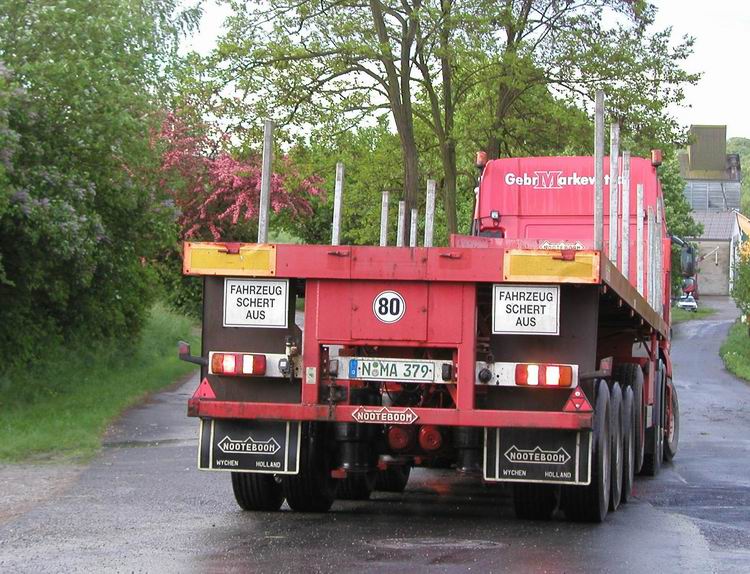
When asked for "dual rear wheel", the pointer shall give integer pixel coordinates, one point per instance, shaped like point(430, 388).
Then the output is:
point(313, 489)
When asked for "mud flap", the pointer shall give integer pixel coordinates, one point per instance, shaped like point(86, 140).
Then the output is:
point(537, 455)
point(249, 446)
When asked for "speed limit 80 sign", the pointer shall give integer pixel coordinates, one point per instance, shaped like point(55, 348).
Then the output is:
point(388, 306)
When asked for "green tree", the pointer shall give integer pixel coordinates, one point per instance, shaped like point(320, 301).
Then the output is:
point(424, 61)
point(82, 220)
point(741, 146)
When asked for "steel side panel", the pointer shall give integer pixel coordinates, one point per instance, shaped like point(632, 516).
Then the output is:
point(333, 310)
point(364, 323)
point(445, 313)
point(392, 263)
point(344, 413)
point(465, 264)
point(313, 261)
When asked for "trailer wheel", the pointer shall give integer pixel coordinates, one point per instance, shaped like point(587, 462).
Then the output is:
point(631, 375)
point(591, 502)
point(393, 479)
point(655, 434)
point(535, 501)
point(628, 432)
point(313, 489)
point(356, 486)
point(671, 422)
point(257, 491)
point(616, 453)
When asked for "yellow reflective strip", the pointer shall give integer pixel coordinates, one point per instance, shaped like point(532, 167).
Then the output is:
point(213, 259)
point(550, 267)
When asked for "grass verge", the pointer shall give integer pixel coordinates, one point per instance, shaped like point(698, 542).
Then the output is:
point(680, 315)
point(735, 351)
point(60, 408)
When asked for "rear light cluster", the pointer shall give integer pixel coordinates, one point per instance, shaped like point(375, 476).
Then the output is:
point(534, 375)
point(238, 364)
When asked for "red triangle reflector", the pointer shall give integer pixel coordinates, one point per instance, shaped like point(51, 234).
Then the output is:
point(204, 391)
point(577, 403)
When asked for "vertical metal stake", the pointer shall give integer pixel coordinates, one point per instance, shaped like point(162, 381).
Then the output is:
point(384, 220)
point(265, 182)
point(625, 214)
point(614, 153)
point(651, 256)
point(429, 216)
point(599, 171)
point(639, 237)
point(659, 279)
point(413, 228)
point(337, 198)
point(401, 224)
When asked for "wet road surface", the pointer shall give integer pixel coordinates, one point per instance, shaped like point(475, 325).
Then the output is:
point(142, 506)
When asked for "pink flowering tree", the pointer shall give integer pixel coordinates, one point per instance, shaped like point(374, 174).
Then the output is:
point(216, 194)
point(215, 197)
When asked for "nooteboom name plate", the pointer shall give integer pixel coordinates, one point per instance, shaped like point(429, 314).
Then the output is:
point(385, 415)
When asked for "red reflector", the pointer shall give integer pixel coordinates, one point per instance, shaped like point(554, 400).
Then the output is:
point(522, 374)
point(577, 403)
point(430, 438)
point(399, 438)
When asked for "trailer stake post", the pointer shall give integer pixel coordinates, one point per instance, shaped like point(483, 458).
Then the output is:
point(265, 182)
point(384, 220)
point(651, 257)
point(659, 280)
point(614, 152)
point(337, 199)
point(413, 228)
point(599, 171)
point(429, 216)
point(625, 191)
point(401, 223)
point(639, 237)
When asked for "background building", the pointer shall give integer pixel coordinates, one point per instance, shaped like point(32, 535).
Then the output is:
point(712, 187)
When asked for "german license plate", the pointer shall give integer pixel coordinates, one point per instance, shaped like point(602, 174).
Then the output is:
point(392, 370)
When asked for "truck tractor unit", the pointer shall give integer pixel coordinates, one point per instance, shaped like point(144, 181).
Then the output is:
point(519, 354)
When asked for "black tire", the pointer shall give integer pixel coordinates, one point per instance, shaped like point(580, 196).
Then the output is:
point(356, 487)
point(591, 503)
point(628, 445)
point(257, 491)
point(655, 434)
point(535, 501)
point(671, 423)
point(616, 452)
point(313, 489)
point(393, 479)
point(631, 375)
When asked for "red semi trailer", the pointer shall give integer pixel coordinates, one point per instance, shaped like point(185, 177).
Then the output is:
point(518, 353)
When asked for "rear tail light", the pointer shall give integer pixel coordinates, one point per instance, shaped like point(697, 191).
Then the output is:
point(430, 438)
point(399, 438)
point(535, 375)
point(238, 364)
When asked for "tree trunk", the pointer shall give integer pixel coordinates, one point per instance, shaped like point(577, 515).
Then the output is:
point(411, 176)
point(449, 184)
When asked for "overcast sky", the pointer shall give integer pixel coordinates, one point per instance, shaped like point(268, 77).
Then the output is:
point(722, 43)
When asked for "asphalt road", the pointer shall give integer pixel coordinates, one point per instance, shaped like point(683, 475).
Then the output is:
point(142, 506)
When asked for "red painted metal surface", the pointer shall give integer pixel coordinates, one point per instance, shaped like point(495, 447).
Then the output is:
point(343, 413)
point(552, 198)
